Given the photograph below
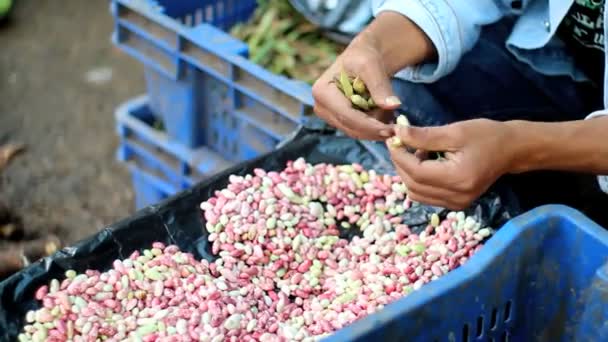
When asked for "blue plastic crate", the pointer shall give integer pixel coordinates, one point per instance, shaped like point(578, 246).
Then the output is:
point(195, 72)
point(154, 153)
point(149, 189)
point(542, 277)
point(241, 142)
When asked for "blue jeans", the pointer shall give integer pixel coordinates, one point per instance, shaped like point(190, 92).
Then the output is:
point(490, 83)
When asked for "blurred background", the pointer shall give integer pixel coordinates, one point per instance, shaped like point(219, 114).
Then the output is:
point(108, 106)
point(60, 81)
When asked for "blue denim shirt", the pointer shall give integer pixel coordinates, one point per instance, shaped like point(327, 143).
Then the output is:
point(455, 25)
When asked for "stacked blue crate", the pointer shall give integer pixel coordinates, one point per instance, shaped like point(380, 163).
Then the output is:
point(199, 80)
point(201, 85)
point(160, 165)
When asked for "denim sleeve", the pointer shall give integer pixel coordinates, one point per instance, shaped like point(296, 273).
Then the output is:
point(597, 113)
point(452, 25)
point(603, 180)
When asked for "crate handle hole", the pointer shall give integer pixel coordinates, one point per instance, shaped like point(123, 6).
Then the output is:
point(233, 123)
point(508, 310)
point(186, 168)
point(198, 16)
point(494, 319)
point(225, 116)
point(479, 326)
point(465, 333)
point(234, 148)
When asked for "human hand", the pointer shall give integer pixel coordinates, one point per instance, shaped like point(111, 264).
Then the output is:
point(476, 153)
point(363, 59)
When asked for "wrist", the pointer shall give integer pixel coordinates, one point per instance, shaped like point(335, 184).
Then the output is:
point(544, 146)
point(398, 40)
point(523, 147)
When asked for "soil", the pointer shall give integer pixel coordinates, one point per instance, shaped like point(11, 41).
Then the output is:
point(67, 181)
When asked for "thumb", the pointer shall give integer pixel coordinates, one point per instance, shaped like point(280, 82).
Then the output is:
point(437, 138)
point(380, 88)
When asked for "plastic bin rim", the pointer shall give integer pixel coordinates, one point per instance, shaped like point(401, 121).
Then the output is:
point(493, 248)
point(297, 89)
point(148, 10)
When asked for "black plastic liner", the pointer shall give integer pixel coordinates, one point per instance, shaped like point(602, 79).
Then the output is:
point(178, 220)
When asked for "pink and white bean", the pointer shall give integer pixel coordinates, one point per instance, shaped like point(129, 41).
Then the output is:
point(282, 273)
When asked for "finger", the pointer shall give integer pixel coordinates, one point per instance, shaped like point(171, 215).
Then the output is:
point(428, 191)
point(325, 115)
point(320, 97)
point(448, 204)
point(334, 121)
point(429, 172)
point(378, 84)
point(439, 138)
point(349, 119)
point(432, 195)
point(427, 200)
point(322, 112)
point(331, 121)
point(443, 197)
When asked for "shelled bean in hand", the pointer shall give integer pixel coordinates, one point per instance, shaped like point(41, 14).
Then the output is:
point(396, 141)
point(401, 121)
point(285, 269)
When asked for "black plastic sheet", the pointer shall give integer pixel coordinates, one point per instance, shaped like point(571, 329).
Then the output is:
point(179, 221)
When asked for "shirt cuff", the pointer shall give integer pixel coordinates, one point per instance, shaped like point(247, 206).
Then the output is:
point(597, 113)
point(602, 180)
point(438, 22)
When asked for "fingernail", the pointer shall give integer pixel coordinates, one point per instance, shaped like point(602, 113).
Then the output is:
point(392, 101)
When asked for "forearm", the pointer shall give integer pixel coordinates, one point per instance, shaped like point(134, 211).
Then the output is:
point(568, 146)
point(400, 42)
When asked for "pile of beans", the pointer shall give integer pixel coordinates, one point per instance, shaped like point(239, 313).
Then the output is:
point(283, 272)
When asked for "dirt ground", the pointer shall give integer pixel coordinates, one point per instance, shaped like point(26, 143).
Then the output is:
point(67, 181)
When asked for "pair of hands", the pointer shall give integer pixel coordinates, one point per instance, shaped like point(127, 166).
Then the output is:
point(476, 152)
